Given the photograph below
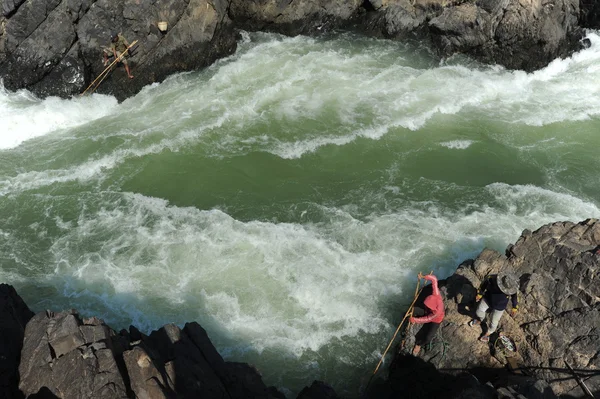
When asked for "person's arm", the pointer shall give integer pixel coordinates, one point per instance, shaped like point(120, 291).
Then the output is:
point(125, 43)
point(114, 50)
point(482, 288)
point(425, 319)
point(434, 283)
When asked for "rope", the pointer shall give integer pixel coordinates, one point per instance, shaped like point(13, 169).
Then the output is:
point(439, 339)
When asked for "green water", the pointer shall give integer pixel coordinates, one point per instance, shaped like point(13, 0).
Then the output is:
point(286, 197)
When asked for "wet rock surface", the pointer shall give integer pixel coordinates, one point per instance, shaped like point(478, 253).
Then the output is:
point(54, 47)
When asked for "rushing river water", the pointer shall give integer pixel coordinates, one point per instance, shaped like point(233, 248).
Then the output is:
point(286, 197)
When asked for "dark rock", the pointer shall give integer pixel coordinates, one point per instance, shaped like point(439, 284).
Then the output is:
point(318, 390)
point(293, 17)
point(54, 47)
point(590, 14)
point(14, 315)
point(10, 6)
point(55, 355)
point(70, 358)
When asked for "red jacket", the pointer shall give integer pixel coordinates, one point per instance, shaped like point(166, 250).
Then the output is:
point(434, 303)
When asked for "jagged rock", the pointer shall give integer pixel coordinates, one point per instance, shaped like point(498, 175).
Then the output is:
point(559, 310)
point(71, 358)
point(318, 390)
point(590, 14)
point(57, 354)
point(293, 17)
point(54, 47)
point(14, 315)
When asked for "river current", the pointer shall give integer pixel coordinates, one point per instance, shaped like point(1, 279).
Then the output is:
point(287, 196)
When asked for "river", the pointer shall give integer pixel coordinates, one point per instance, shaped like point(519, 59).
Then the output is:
point(287, 196)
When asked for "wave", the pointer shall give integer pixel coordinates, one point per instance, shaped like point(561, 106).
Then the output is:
point(344, 89)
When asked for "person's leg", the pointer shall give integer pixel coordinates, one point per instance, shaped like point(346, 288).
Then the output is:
point(482, 307)
point(427, 333)
point(496, 315)
point(129, 75)
point(418, 312)
point(124, 61)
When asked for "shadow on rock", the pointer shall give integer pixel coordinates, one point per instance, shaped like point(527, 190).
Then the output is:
point(43, 393)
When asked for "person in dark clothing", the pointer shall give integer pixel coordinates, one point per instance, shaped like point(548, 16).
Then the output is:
point(432, 315)
point(494, 293)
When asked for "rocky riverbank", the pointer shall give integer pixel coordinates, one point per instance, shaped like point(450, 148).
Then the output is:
point(556, 333)
point(61, 355)
point(54, 47)
point(556, 329)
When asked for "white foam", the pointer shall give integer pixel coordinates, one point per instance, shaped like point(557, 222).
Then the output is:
point(324, 83)
point(301, 80)
point(457, 144)
point(282, 286)
point(23, 116)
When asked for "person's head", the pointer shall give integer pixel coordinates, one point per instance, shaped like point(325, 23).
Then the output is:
point(431, 302)
point(508, 282)
point(114, 36)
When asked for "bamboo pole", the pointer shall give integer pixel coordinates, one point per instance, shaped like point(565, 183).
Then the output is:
point(408, 313)
point(106, 70)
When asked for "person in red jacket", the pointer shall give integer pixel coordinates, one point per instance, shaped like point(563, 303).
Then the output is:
point(432, 315)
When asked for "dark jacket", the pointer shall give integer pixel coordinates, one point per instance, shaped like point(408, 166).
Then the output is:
point(494, 296)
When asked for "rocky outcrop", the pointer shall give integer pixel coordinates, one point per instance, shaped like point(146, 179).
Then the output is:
point(519, 34)
point(293, 17)
point(14, 315)
point(54, 47)
point(557, 326)
point(66, 357)
point(590, 14)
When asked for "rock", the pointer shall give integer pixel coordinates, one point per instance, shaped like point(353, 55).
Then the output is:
point(71, 358)
point(559, 311)
point(318, 390)
point(518, 34)
point(54, 47)
point(14, 315)
point(293, 17)
point(590, 14)
point(57, 355)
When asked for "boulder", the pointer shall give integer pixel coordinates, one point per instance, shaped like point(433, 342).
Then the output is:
point(14, 315)
point(55, 47)
point(293, 17)
point(67, 357)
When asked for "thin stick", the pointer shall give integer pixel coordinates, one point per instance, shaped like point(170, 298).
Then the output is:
point(106, 70)
point(582, 385)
